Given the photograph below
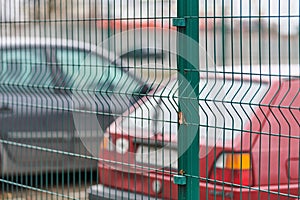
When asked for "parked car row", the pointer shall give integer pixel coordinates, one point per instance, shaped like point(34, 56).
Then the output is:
point(64, 102)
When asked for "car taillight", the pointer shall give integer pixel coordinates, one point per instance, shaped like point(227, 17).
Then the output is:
point(233, 168)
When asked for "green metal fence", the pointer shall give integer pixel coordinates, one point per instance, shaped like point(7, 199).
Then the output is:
point(149, 99)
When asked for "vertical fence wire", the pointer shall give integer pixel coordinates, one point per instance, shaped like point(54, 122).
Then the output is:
point(94, 103)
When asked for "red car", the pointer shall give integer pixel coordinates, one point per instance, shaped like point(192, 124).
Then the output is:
point(249, 139)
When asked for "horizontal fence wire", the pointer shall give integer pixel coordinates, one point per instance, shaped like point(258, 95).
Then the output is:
point(95, 102)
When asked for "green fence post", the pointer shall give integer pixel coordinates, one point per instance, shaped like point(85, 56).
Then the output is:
point(188, 134)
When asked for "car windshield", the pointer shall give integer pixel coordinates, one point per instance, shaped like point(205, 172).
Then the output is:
point(90, 72)
point(225, 108)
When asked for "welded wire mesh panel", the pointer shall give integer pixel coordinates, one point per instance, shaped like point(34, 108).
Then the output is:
point(100, 99)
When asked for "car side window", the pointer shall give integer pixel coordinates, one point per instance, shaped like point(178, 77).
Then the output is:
point(25, 67)
point(86, 71)
point(69, 61)
point(80, 68)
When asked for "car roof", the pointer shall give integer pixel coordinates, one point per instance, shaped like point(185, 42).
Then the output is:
point(260, 72)
point(60, 42)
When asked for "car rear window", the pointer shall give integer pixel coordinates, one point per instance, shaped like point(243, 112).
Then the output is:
point(225, 107)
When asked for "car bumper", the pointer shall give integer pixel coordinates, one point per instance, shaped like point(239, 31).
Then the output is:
point(211, 191)
point(139, 184)
point(107, 193)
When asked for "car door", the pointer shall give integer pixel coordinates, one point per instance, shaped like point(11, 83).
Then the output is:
point(35, 122)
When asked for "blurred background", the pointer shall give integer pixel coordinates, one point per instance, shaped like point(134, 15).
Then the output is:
point(232, 32)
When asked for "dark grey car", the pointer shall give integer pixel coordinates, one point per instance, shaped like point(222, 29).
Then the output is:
point(51, 92)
